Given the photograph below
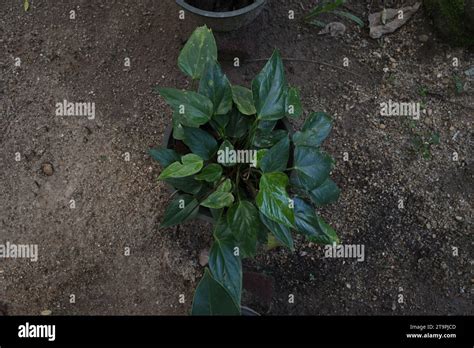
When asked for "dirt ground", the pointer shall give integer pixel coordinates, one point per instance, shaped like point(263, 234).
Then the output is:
point(409, 250)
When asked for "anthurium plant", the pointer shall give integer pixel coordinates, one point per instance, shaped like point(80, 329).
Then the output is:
point(239, 161)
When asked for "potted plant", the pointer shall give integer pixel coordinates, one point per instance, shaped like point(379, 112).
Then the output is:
point(223, 15)
point(232, 154)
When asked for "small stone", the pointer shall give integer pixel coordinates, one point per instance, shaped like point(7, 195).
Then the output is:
point(46, 312)
point(469, 72)
point(303, 253)
point(423, 38)
point(458, 218)
point(204, 257)
point(382, 126)
point(47, 169)
point(348, 285)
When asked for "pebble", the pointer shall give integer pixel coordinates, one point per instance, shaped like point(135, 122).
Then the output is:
point(46, 312)
point(459, 218)
point(423, 38)
point(47, 169)
point(204, 257)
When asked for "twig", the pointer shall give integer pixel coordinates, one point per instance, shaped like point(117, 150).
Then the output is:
point(307, 61)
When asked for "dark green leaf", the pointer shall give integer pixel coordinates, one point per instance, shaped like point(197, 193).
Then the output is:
point(225, 267)
point(269, 90)
point(244, 223)
point(265, 140)
point(222, 230)
point(210, 173)
point(200, 142)
point(267, 126)
point(216, 87)
point(212, 298)
point(218, 200)
point(260, 154)
point(224, 152)
point(186, 184)
point(276, 159)
point(273, 200)
point(327, 193)
point(219, 122)
point(199, 49)
point(238, 125)
point(182, 208)
point(311, 167)
point(281, 232)
point(311, 225)
point(164, 156)
point(293, 103)
point(243, 99)
point(191, 164)
point(193, 108)
point(315, 129)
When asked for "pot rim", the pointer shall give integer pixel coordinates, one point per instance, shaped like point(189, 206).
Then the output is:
point(220, 15)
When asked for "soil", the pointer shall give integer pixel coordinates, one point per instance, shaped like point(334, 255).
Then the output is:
point(410, 249)
point(220, 5)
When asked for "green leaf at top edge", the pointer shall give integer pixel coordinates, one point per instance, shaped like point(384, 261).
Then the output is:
point(199, 49)
point(269, 90)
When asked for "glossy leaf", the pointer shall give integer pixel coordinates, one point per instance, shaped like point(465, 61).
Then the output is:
point(212, 298)
point(260, 154)
point(327, 193)
point(244, 222)
point(238, 125)
point(187, 184)
point(273, 200)
point(164, 156)
point(265, 140)
point(215, 85)
point(311, 167)
point(200, 142)
point(199, 49)
point(225, 267)
point(269, 90)
point(218, 200)
point(311, 225)
point(280, 232)
point(210, 173)
point(293, 107)
point(226, 186)
point(315, 129)
point(181, 209)
point(243, 99)
point(193, 108)
point(276, 159)
point(190, 164)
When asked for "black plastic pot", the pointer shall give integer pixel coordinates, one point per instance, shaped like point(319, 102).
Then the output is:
point(170, 143)
point(224, 21)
